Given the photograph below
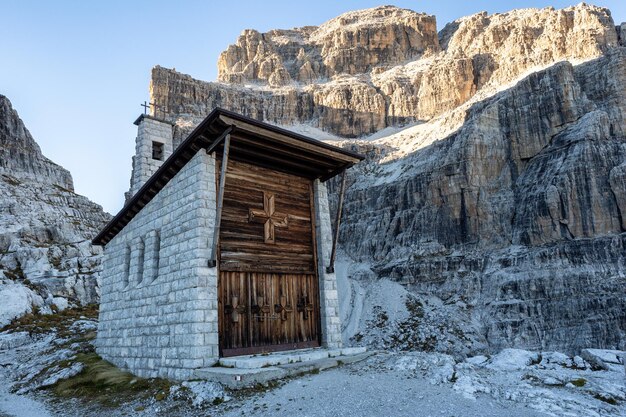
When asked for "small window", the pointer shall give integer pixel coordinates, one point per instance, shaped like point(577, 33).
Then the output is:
point(140, 259)
point(126, 266)
point(157, 151)
point(155, 256)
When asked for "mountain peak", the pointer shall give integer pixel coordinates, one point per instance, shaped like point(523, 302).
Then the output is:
point(21, 156)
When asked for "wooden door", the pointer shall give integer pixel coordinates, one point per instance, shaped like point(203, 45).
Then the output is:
point(268, 287)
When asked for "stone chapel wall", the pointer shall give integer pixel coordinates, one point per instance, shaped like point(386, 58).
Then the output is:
point(159, 317)
point(150, 131)
point(329, 297)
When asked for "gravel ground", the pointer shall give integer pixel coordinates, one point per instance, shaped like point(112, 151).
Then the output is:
point(511, 383)
point(369, 389)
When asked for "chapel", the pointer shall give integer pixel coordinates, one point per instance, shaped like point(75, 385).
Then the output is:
point(223, 248)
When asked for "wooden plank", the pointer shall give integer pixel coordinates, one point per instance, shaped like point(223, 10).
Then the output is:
point(271, 276)
point(226, 353)
point(262, 328)
point(242, 243)
point(250, 169)
point(251, 265)
point(217, 142)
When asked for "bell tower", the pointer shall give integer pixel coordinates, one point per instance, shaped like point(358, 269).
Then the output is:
point(153, 145)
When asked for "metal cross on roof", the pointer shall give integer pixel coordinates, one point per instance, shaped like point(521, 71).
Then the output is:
point(145, 106)
point(155, 107)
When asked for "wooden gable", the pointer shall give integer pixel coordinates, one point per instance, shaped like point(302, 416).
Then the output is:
point(254, 142)
point(267, 221)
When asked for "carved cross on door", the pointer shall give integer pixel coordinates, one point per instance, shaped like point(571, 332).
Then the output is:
point(305, 307)
point(269, 217)
point(283, 308)
point(235, 309)
point(261, 309)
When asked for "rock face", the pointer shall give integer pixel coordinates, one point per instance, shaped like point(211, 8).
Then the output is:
point(353, 43)
point(370, 69)
point(20, 153)
point(518, 214)
point(504, 198)
point(45, 228)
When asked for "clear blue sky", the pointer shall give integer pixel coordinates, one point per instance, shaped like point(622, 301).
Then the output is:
point(76, 71)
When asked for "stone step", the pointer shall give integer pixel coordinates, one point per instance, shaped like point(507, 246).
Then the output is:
point(247, 376)
point(282, 358)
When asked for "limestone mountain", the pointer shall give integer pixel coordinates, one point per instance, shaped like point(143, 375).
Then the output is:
point(494, 186)
point(46, 257)
point(370, 69)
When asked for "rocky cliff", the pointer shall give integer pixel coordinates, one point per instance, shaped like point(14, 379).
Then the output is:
point(46, 259)
point(370, 69)
point(518, 215)
point(495, 179)
point(20, 153)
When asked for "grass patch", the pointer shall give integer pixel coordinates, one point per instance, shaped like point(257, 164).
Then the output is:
point(66, 190)
point(16, 274)
point(358, 337)
point(107, 384)
point(414, 307)
point(11, 180)
point(259, 388)
point(608, 400)
point(36, 323)
point(381, 317)
point(580, 382)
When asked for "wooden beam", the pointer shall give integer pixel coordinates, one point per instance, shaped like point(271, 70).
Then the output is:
point(220, 202)
point(331, 267)
point(187, 155)
point(219, 140)
point(273, 161)
point(282, 150)
point(265, 164)
point(319, 149)
point(334, 173)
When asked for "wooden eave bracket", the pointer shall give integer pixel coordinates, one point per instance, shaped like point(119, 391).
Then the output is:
point(212, 262)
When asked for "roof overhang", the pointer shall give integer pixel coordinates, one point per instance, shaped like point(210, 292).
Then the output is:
point(251, 141)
